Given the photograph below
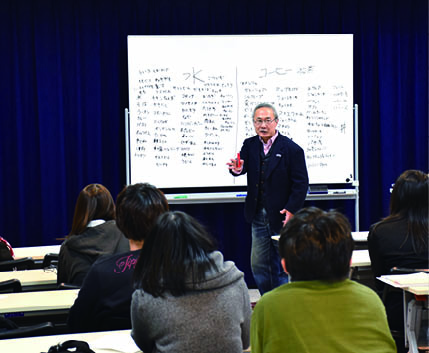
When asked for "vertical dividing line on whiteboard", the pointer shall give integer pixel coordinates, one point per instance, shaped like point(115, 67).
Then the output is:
point(127, 147)
point(238, 109)
point(238, 118)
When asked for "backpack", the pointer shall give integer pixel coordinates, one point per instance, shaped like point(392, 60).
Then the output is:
point(71, 346)
point(6, 251)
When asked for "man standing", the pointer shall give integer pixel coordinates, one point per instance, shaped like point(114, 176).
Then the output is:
point(277, 183)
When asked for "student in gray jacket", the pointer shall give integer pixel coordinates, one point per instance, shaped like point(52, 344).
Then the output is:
point(187, 298)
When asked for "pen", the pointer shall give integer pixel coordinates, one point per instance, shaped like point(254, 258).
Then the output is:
point(238, 160)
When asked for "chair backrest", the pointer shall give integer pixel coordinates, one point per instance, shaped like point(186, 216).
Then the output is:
point(50, 260)
point(25, 263)
point(399, 270)
point(10, 286)
point(43, 328)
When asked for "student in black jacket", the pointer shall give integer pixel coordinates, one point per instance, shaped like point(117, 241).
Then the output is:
point(93, 233)
point(401, 239)
point(104, 300)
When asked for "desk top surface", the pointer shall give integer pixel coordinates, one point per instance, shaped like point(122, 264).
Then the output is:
point(360, 236)
point(100, 342)
point(359, 257)
point(416, 283)
point(31, 277)
point(36, 252)
point(37, 301)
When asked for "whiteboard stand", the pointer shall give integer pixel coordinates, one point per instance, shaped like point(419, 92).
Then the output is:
point(356, 165)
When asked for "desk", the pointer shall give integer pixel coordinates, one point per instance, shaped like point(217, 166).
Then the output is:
point(360, 236)
point(28, 308)
point(98, 342)
point(360, 258)
point(411, 284)
point(36, 252)
point(357, 236)
point(32, 280)
point(30, 302)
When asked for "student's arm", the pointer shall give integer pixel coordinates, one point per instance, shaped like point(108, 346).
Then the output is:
point(62, 273)
point(376, 256)
point(247, 314)
point(298, 180)
point(82, 313)
point(140, 329)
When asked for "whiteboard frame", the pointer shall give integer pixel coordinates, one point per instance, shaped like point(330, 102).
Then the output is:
point(334, 172)
point(238, 196)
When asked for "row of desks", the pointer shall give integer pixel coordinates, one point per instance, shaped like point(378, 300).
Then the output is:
point(38, 252)
point(31, 279)
point(63, 299)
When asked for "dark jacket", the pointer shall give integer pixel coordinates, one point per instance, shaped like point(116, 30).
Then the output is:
point(79, 252)
point(389, 246)
point(286, 178)
point(104, 300)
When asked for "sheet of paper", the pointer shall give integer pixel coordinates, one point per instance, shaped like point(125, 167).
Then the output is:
point(405, 280)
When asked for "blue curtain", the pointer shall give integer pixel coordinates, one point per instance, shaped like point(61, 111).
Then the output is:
point(64, 88)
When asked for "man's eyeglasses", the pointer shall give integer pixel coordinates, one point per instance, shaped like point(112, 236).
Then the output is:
point(259, 122)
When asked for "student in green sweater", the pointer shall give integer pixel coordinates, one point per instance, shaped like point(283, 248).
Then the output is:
point(321, 310)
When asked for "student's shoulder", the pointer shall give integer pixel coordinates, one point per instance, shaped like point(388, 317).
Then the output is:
point(387, 228)
point(362, 291)
point(277, 294)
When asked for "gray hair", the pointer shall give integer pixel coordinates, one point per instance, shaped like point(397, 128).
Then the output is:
point(265, 105)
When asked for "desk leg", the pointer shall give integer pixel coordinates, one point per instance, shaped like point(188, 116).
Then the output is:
point(413, 325)
point(405, 313)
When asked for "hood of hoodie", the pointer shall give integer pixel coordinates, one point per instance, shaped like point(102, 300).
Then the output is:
point(223, 275)
point(96, 241)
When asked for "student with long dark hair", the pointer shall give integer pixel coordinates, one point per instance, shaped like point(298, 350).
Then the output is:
point(187, 298)
point(401, 239)
point(93, 233)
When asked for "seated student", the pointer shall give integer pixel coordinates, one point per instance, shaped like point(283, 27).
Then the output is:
point(401, 239)
point(321, 310)
point(104, 300)
point(93, 233)
point(188, 299)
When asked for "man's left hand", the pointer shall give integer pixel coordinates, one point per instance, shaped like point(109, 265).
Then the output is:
point(288, 216)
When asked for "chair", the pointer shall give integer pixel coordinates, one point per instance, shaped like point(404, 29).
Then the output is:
point(10, 286)
point(40, 329)
point(24, 263)
point(50, 260)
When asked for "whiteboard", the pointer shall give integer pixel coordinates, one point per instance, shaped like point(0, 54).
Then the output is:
point(191, 100)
